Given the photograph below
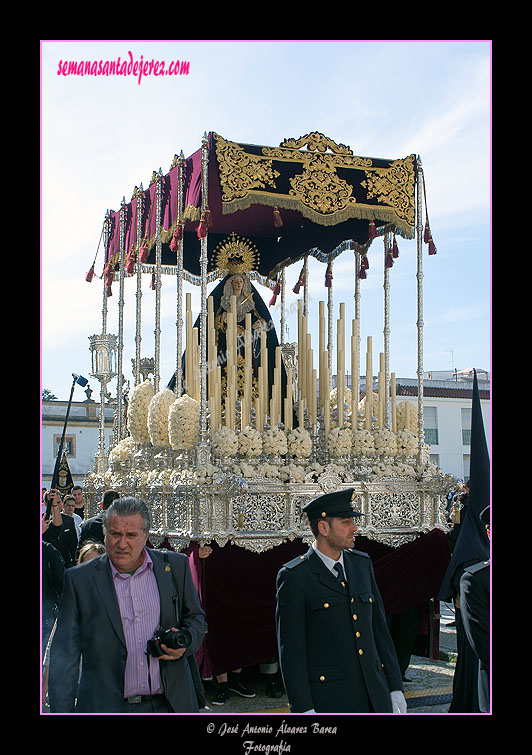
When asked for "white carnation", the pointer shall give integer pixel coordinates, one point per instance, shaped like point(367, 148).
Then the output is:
point(249, 442)
point(385, 442)
point(183, 423)
point(158, 410)
point(137, 413)
point(274, 442)
point(339, 441)
point(363, 442)
point(225, 441)
point(406, 442)
point(299, 443)
point(123, 450)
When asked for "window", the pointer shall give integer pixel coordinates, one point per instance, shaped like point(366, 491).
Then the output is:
point(430, 422)
point(466, 427)
point(69, 445)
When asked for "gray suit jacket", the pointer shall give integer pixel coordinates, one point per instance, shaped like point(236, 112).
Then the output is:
point(89, 627)
point(335, 648)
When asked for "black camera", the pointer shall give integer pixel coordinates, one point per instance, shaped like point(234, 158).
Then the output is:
point(174, 640)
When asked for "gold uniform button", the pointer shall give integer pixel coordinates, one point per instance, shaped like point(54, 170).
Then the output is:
point(323, 513)
point(361, 652)
point(326, 605)
point(322, 678)
point(352, 600)
point(357, 634)
point(371, 600)
point(355, 617)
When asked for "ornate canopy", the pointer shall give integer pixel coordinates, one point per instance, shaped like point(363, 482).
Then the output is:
point(306, 196)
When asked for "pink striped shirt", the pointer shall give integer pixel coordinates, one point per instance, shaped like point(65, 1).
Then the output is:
point(138, 599)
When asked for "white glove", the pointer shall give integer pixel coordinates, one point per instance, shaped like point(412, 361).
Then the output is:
point(398, 701)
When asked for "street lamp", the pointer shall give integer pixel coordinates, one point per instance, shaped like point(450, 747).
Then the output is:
point(103, 352)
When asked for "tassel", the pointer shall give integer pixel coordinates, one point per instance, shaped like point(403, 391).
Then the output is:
point(109, 291)
point(426, 232)
point(362, 273)
point(90, 275)
point(328, 276)
point(372, 230)
point(300, 281)
point(152, 284)
point(129, 267)
point(202, 228)
point(432, 246)
point(178, 235)
point(144, 251)
point(208, 218)
point(276, 292)
point(364, 262)
point(395, 249)
point(277, 219)
point(389, 260)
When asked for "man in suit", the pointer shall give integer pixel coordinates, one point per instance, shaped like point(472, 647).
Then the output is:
point(335, 648)
point(475, 609)
point(111, 606)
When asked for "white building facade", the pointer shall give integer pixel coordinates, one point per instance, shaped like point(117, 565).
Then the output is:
point(81, 437)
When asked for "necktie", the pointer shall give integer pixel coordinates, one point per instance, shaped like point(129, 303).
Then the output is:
point(338, 568)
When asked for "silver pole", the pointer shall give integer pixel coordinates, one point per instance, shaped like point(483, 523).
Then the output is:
point(179, 291)
point(158, 253)
point(386, 332)
point(421, 432)
point(120, 430)
point(138, 311)
point(203, 321)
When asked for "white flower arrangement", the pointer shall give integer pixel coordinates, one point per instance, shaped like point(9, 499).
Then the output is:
point(244, 469)
point(274, 442)
point(158, 410)
point(299, 443)
point(385, 442)
point(383, 469)
point(123, 450)
point(225, 441)
point(183, 423)
point(406, 442)
point(137, 413)
point(249, 442)
point(271, 471)
point(407, 419)
point(339, 441)
point(203, 475)
point(297, 473)
point(363, 442)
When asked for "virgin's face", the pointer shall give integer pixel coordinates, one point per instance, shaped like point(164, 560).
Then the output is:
point(238, 285)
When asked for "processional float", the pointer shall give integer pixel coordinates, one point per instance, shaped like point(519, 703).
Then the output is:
point(246, 435)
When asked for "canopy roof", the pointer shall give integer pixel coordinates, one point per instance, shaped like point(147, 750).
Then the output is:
point(307, 196)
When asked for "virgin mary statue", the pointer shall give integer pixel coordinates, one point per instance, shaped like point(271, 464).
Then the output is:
point(237, 258)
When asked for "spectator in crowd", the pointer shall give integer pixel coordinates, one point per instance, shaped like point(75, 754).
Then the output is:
point(69, 507)
point(98, 621)
point(92, 529)
point(77, 492)
point(52, 574)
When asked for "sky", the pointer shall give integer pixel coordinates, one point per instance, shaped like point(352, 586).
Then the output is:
point(102, 136)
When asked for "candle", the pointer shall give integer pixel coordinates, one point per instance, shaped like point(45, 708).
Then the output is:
point(369, 385)
point(322, 356)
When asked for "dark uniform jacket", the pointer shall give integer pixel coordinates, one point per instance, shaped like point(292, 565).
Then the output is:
point(475, 610)
point(90, 626)
point(335, 648)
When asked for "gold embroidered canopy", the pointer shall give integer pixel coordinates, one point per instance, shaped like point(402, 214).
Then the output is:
point(306, 196)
